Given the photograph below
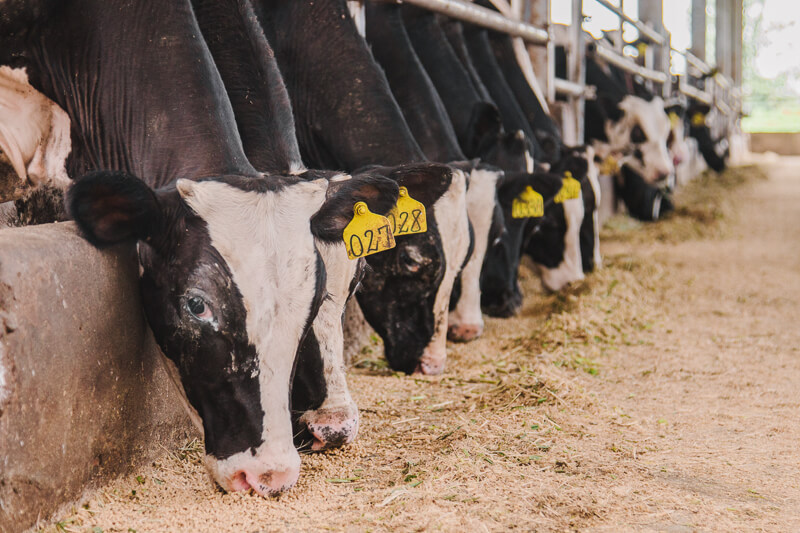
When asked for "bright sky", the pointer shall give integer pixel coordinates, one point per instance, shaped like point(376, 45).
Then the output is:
point(781, 23)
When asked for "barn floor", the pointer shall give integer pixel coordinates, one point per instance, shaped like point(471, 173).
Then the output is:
point(662, 394)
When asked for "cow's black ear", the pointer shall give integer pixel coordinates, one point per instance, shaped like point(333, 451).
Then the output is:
point(111, 207)
point(378, 192)
point(485, 125)
point(426, 182)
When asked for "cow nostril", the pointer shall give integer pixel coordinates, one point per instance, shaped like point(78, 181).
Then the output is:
point(239, 482)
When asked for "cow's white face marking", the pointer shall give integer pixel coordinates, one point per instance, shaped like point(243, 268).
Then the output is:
point(358, 12)
point(571, 267)
point(328, 325)
point(34, 134)
point(481, 199)
point(651, 118)
point(451, 216)
point(593, 175)
point(679, 149)
point(4, 387)
point(274, 268)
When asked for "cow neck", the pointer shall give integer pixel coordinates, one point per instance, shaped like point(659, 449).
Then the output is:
point(503, 49)
point(454, 31)
point(345, 114)
point(421, 105)
point(253, 82)
point(444, 68)
point(140, 88)
point(513, 117)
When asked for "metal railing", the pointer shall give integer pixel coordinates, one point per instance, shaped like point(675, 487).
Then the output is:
point(699, 82)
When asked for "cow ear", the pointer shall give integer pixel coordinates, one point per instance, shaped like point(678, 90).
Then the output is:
point(378, 192)
point(484, 126)
point(426, 182)
point(111, 207)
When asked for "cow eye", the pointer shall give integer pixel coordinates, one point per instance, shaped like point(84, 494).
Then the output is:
point(198, 308)
point(637, 135)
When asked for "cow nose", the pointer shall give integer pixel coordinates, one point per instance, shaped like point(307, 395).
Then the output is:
point(266, 484)
point(432, 361)
point(464, 332)
point(662, 175)
point(332, 427)
point(677, 160)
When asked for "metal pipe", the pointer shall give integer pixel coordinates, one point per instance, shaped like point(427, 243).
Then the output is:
point(646, 31)
point(696, 62)
point(693, 92)
point(628, 65)
point(486, 18)
point(569, 88)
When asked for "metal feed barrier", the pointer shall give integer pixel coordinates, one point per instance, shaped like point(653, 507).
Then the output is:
point(528, 21)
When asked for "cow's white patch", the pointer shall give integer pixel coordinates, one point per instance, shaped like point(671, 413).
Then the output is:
point(571, 268)
point(358, 12)
point(34, 134)
point(451, 216)
point(4, 387)
point(481, 197)
point(650, 116)
point(528, 162)
point(272, 259)
point(328, 327)
point(593, 174)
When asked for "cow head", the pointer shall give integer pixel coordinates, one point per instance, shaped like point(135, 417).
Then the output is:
point(554, 243)
point(640, 128)
point(406, 290)
point(324, 413)
point(580, 162)
point(465, 321)
point(676, 142)
point(231, 281)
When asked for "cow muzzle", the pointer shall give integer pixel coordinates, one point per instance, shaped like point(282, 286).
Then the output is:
point(266, 476)
point(332, 427)
point(433, 360)
point(464, 332)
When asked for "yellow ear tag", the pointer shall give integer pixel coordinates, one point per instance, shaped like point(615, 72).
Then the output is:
point(674, 119)
point(609, 166)
point(367, 233)
point(570, 189)
point(641, 48)
point(529, 204)
point(698, 119)
point(408, 215)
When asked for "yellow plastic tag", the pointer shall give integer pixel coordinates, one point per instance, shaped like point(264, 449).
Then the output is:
point(529, 204)
point(408, 216)
point(641, 48)
point(698, 119)
point(674, 119)
point(609, 166)
point(570, 189)
point(367, 233)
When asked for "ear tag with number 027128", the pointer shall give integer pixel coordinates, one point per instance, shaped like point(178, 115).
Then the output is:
point(367, 233)
point(528, 204)
point(570, 189)
point(408, 215)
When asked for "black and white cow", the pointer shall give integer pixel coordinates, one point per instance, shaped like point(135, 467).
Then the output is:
point(427, 118)
point(714, 152)
point(622, 122)
point(501, 295)
point(325, 413)
point(230, 276)
point(347, 118)
point(557, 248)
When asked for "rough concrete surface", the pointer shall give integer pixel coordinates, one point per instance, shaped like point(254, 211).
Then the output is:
point(84, 396)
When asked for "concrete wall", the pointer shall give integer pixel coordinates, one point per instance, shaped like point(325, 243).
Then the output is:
point(83, 394)
point(780, 143)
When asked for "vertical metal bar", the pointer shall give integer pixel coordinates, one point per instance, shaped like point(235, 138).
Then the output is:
point(699, 29)
point(577, 68)
point(542, 56)
point(652, 12)
point(723, 36)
